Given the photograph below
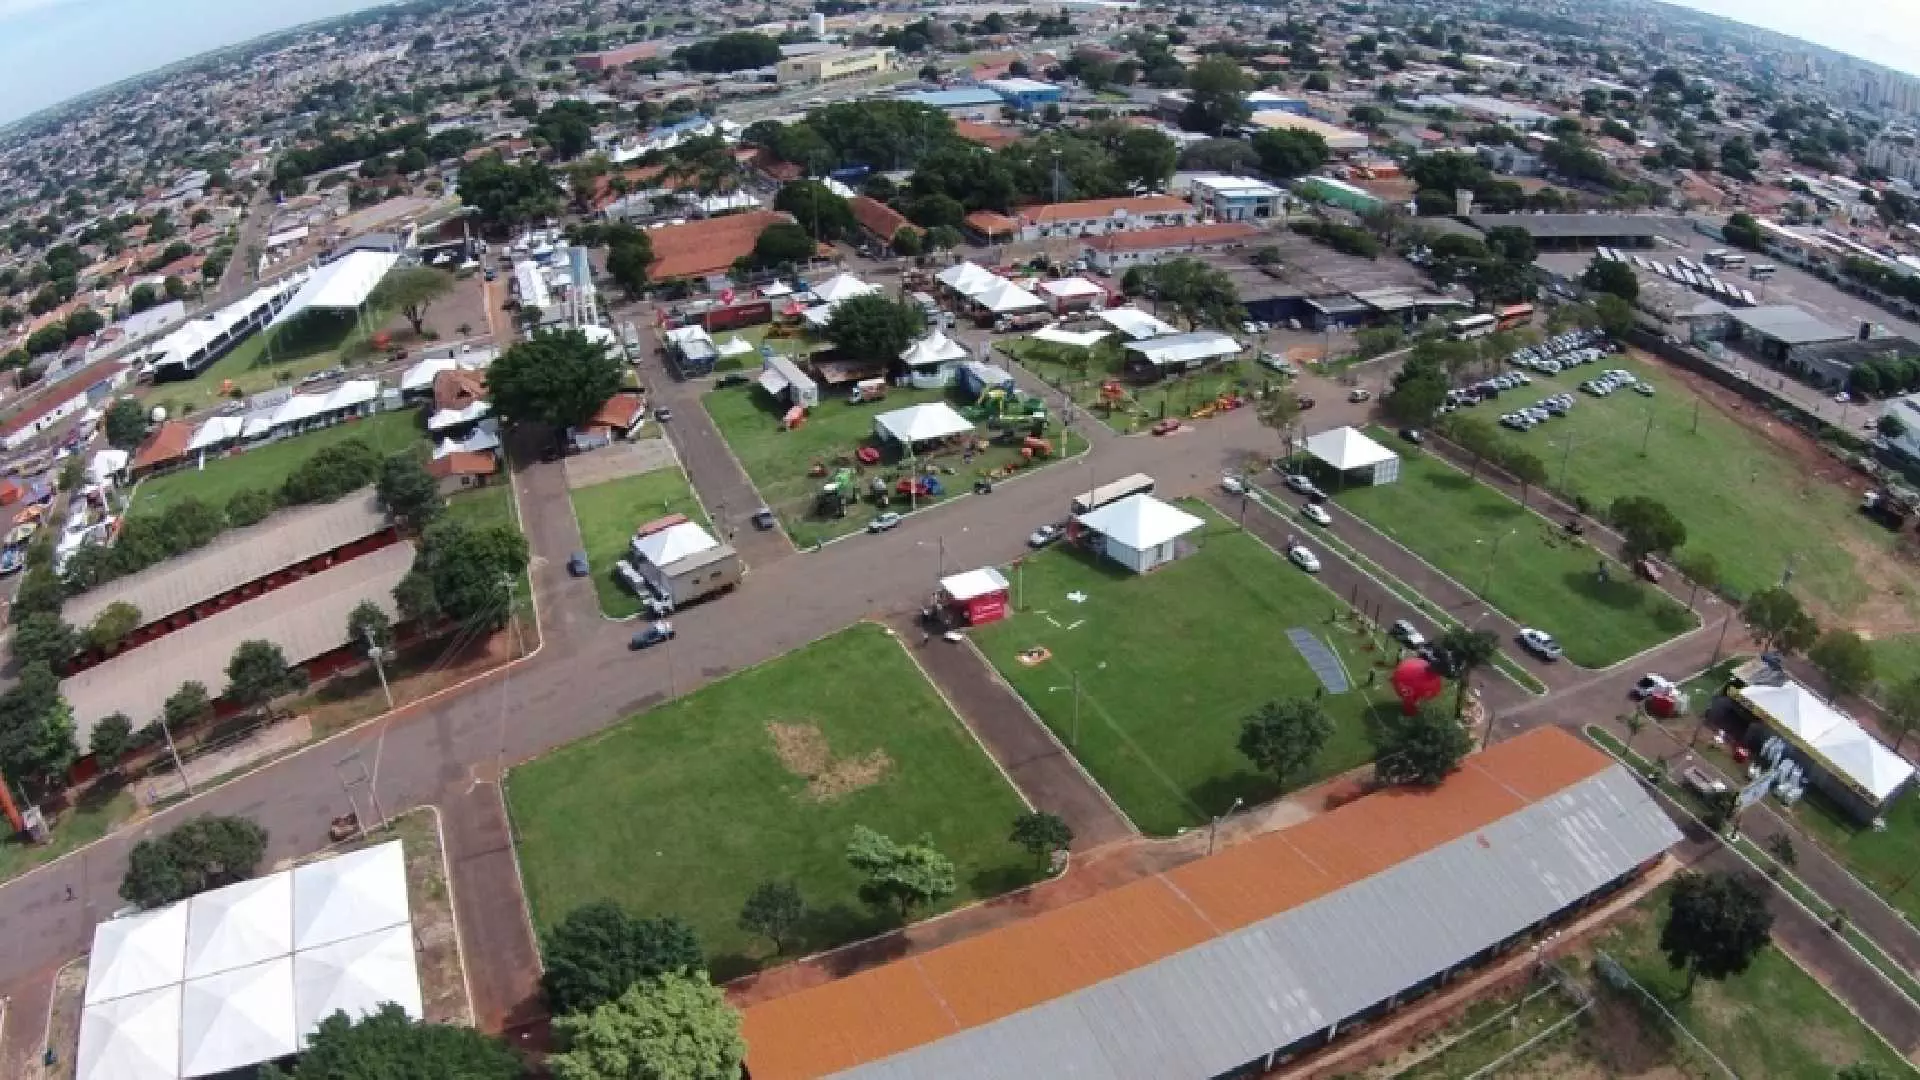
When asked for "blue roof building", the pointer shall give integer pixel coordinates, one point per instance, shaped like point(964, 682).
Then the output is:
point(1024, 94)
point(972, 97)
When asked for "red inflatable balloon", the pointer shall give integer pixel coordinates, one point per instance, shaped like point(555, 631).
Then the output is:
point(1416, 681)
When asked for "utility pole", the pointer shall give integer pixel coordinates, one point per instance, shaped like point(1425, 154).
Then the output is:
point(1075, 739)
point(513, 617)
point(376, 654)
point(174, 752)
point(1567, 459)
point(1647, 436)
point(1213, 827)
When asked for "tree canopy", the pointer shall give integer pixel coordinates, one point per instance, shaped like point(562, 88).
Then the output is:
point(1217, 89)
point(37, 742)
point(1609, 276)
point(1845, 660)
point(1776, 616)
point(1286, 154)
point(1041, 833)
point(412, 291)
point(1647, 526)
point(388, 1045)
point(737, 51)
point(598, 951)
point(1284, 738)
point(509, 195)
point(1421, 749)
point(202, 854)
point(1716, 925)
point(462, 572)
point(675, 1027)
point(408, 492)
point(874, 328)
point(899, 876)
point(126, 424)
point(558, 378)
point(1197, 291)
point(258, 672)
point(774, 910)
point(817, 209)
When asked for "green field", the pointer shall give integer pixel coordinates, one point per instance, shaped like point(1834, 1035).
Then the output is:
point(1757, 510)
point(1520, 563)
point(685, 808)
point(268, 466)
point(608, 514)
point(779, 461)
point(1773, 1021)
point(316, 340)
point(1171, 663)
point(1143, 404)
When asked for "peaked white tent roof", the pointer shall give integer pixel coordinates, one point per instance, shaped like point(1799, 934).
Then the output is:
point(1005, 297)
point(137, 953)
point(350, 894)
point(485, 439)
point(842, 287)
point(240, 925)
point(967, 278)
point(131, 1038)
point(343, 283)
point(1346, 448)
point(974, 583)
point(921, 423)
point(237, 1018)
point(935, 348)
point(733, 345)
point(673, 543)
point(1134, 323)
point(1070, 287)
point(1085, 339)
point(355, 976)
point(1140, 522)
point(1833, 735)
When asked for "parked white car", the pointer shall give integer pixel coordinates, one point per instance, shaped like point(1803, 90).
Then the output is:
point(1303, 558)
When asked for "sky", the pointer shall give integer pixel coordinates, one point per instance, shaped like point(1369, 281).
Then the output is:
point(1884, 31)
point(52, 50)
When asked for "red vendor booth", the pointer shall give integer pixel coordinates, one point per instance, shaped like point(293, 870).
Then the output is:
point(976, 597)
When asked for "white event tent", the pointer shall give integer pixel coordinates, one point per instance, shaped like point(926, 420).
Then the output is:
point(1085, 339)
point(1140, 532)
point(968, 278)
point(1347, 451)
point(930, 362)
point(342, 285)
point(1006, 298)
point(921, 423)
point(244, 974)
point(1134, 323)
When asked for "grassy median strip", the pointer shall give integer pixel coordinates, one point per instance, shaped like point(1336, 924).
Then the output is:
point(610, 511)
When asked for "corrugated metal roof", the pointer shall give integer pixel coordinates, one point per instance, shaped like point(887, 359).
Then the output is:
point(1231, 1000)
point(1108, 943)
point(236, 558)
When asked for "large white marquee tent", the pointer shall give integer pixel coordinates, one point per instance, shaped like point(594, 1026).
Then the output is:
point(246, 973)
point(342, 285)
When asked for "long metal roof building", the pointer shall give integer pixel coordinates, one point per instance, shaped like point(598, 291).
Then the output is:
point(1262, 948)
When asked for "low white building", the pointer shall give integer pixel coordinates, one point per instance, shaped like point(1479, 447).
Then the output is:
point(1139, 532)
point(1356, 458)
point(1238, 198)
point(932, 361)
point(1161, 356)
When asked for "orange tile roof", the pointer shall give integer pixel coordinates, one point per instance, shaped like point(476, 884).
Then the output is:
point(877, 217)
point(1219, 232)
point(168, 442)
point(621, 411)
point(988, 223)
point(908, 1003)
point(707, 247)
point(463, 463)
point(1103, 208)
point(987, 135)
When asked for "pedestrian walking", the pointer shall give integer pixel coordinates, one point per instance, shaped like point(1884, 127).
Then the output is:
point(69, 892)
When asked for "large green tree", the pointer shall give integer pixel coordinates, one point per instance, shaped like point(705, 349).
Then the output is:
point(1197, 291)
point(630, 261)
point(1716, 925)
point(899, 876)
point(774, 910)
point(37, 742)
point(408, 492)
point(389, 1045)
point(411, 291)
point(675, 1027)
point(463, 573)
point(1286, 154)
point(558, 378)
point(509, 195)
point(1217, 89)
point(1284, 738)
point(258, 672)
point(817, 209)
point(598, 951)
point(1422, 748)
point(202, 854)
point(1845, 660)
point(1043, 834)
point(1611, 276)
point(125, 424)
point(874, 328)
point(1778, 618)
point(1647, 527)
point(1470, 651)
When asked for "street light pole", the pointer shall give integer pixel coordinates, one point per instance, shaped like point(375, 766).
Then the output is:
point(377, 655)
point(1213, 828)
point(1074, 736)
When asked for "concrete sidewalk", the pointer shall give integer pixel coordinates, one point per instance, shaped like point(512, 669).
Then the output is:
point(1018, 741)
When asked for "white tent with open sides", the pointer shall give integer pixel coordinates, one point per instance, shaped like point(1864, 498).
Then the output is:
point(356, 976)
point(243, 924)
point(921, 424)
point(137, 953)
point(842, 287)
point(1006, 298)
point(342, 285)
point(136, 1037)
point(237, 1018)
point(347, 895)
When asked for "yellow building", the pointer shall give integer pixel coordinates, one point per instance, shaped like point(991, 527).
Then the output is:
point(838, 64)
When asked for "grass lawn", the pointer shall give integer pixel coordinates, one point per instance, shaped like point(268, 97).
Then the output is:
point(685, 809)
point(1773, 1021)
point(268, 466)
point(1143, 405)
point(315, 341)
point(756, 336)
point(1539, 578)
point(779, 461)
point(1171, 663)
point(101, 810)
point(1756, 509)
point(609, 512)
point(1888, 861)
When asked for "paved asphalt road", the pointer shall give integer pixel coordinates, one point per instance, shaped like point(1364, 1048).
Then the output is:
point(452, 752)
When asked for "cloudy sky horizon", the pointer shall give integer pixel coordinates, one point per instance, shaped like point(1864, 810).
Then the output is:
point(54, 50)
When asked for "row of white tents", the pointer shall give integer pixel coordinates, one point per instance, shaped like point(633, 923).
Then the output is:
point(246, 973)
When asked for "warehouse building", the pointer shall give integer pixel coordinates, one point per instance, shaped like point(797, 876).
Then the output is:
point(834, 65)
point(1262, 954)
point(1585, 232)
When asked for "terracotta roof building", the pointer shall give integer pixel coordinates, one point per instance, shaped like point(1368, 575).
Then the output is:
point(706, 247)
point(990, 226)
point(1262, 953)
point(456, 389)
point(1124, 249)
point(880, 220)
point(166, 445)
point(1096, 216)
point(987, 135)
